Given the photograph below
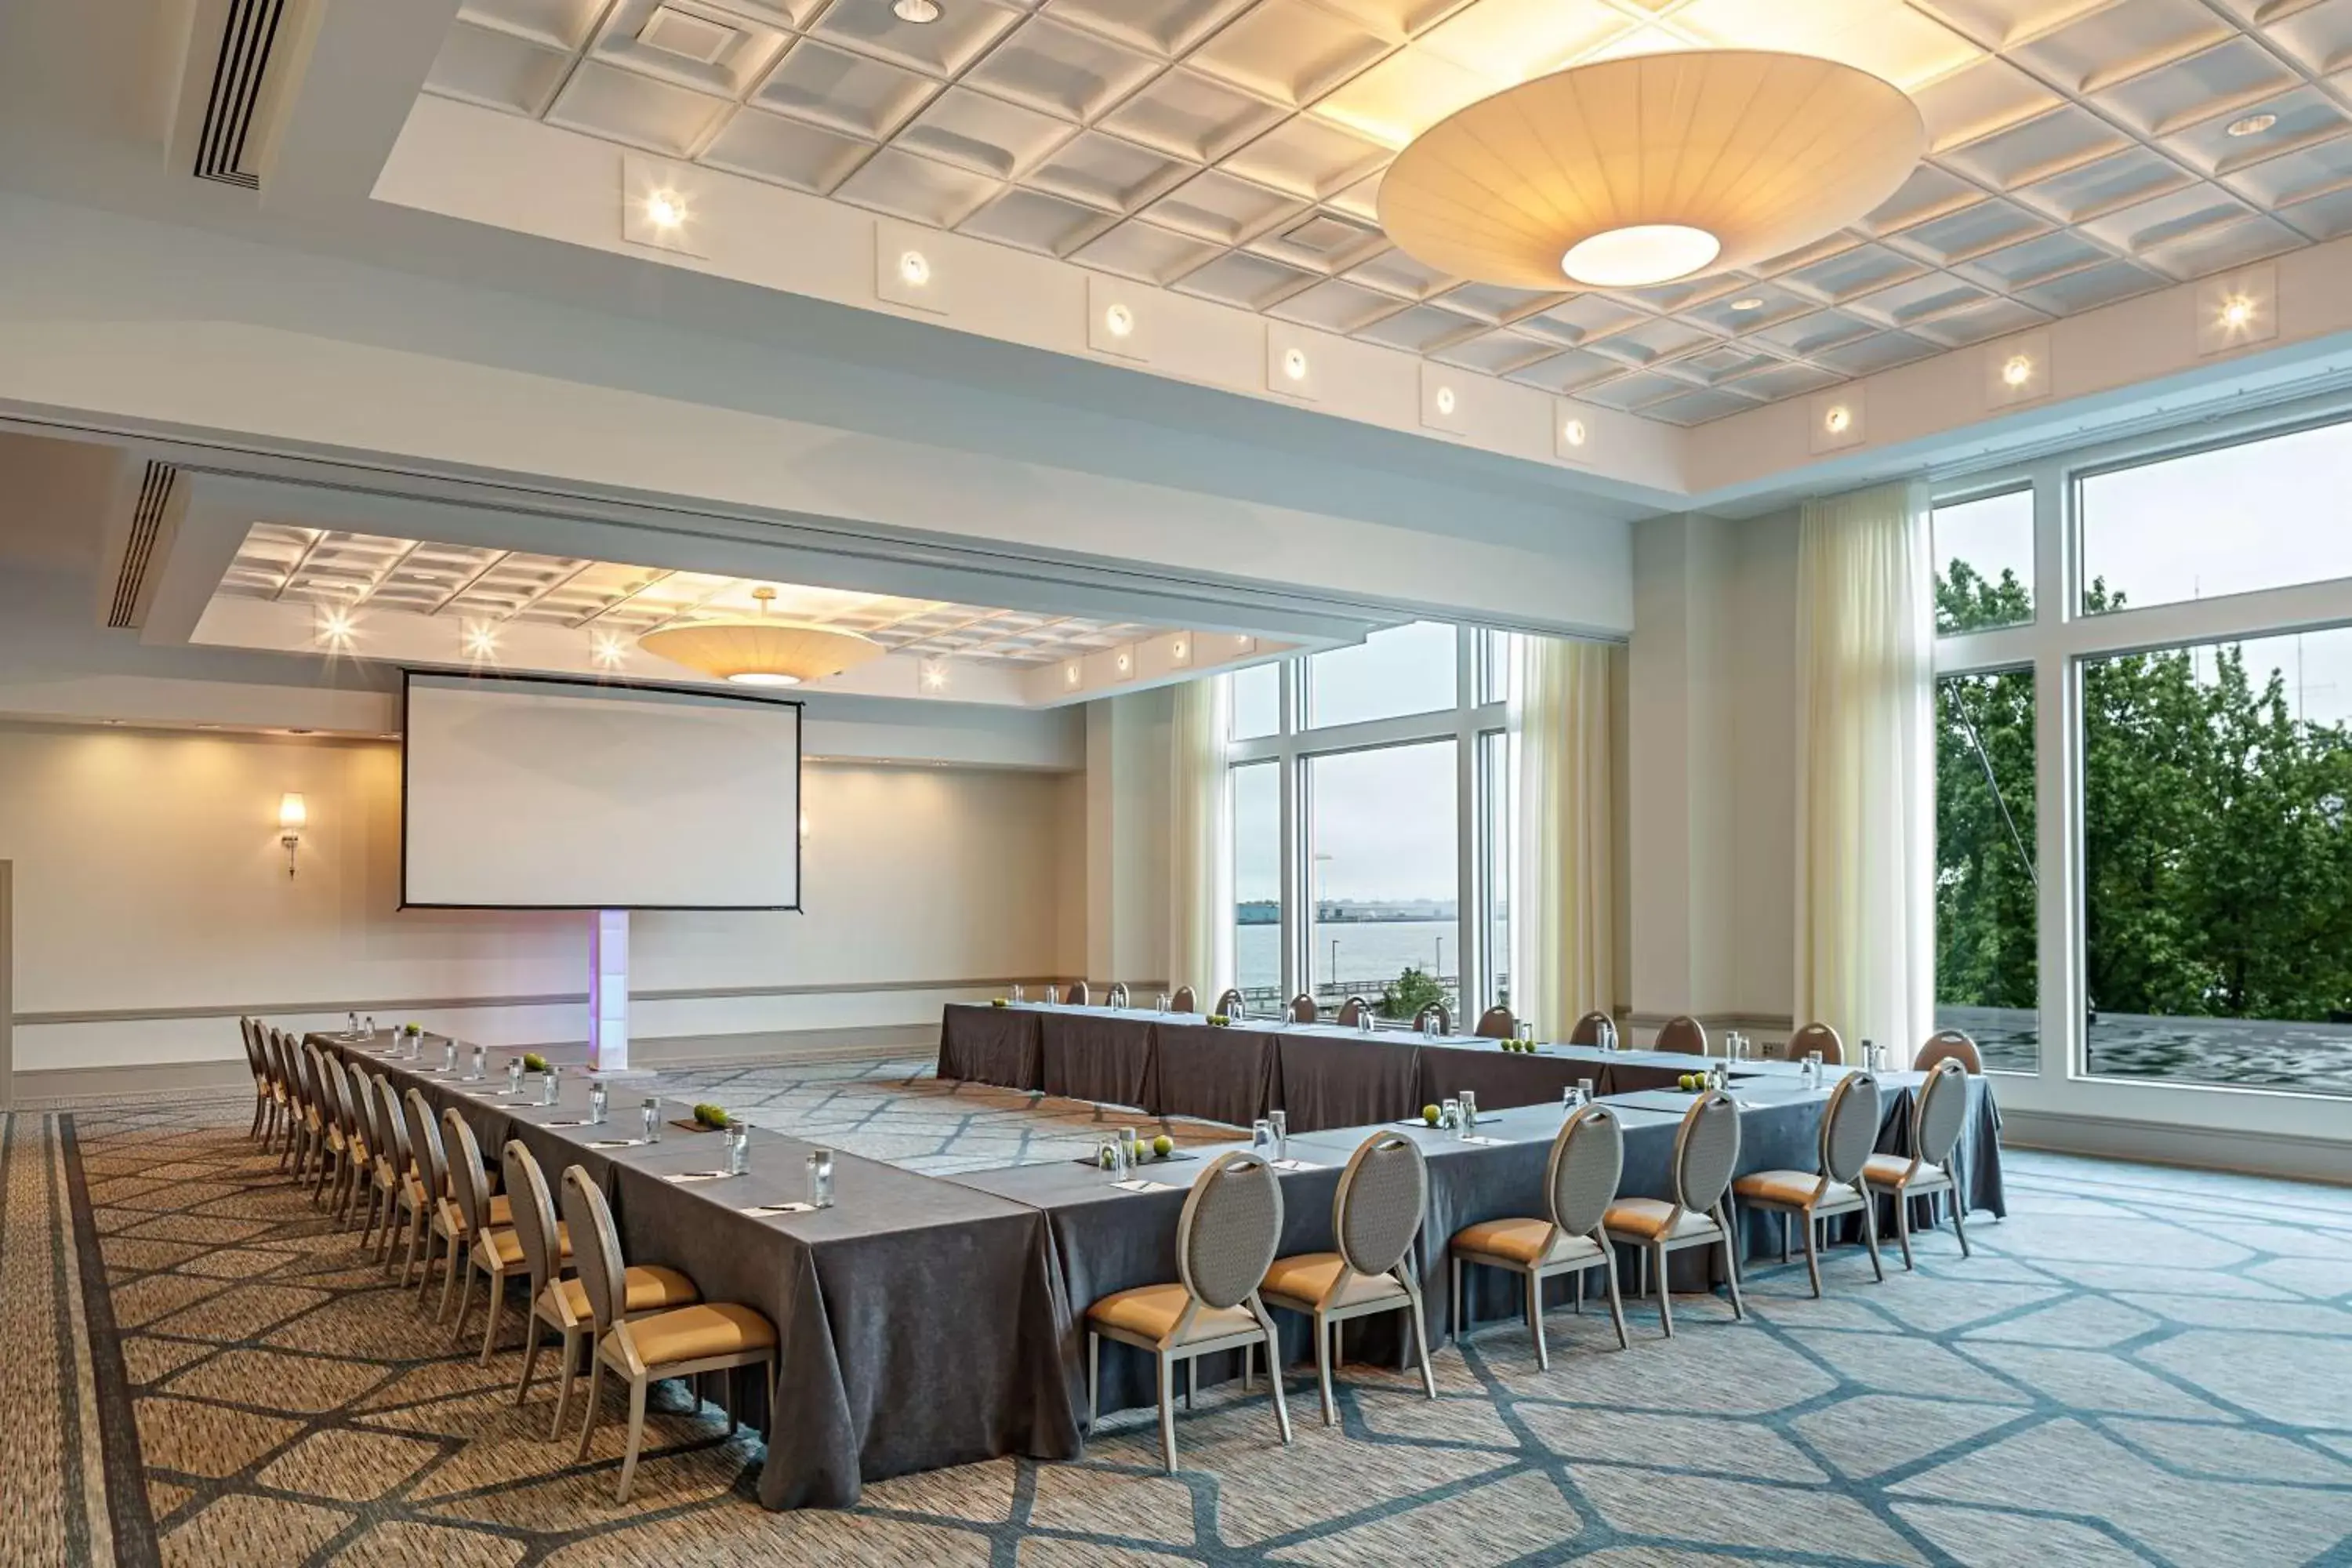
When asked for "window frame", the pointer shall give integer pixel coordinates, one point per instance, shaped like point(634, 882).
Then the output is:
point(1294, 746)
point(2058, 644)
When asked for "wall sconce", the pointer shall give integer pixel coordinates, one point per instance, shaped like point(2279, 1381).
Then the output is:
point(292, 818)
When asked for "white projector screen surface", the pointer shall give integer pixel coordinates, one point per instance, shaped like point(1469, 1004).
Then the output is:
point(559, 795)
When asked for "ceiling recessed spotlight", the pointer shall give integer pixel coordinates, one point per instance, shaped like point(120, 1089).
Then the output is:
point(2252, 124)
point(913, 269)
point(1181, 650)
point(1293, 363)
point(2017, 371)
point(1752, 302)
point(1573, 432)
point(1119, 321)
point(335, 628)
point(608, 651)
point(916, 11)
point(1070, 674)
point(1126, 661)
point(2237, 311)
point(1837, 420)
point(1446, 400)
point(481, 640)
point(935, 675)
point(664, 210)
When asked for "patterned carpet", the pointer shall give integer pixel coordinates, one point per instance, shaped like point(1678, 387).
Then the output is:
point(2138, 1366)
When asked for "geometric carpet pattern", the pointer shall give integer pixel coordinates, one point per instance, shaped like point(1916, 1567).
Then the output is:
point(2138, 1366)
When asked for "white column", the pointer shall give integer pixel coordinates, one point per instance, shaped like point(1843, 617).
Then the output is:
point(608, 991)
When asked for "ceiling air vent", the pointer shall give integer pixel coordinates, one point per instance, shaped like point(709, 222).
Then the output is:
point(138, 547)
point(226, 141)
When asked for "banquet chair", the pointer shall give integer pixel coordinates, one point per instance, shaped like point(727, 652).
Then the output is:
point(428, 1189)
point(1932, 1165)
point(1303, 1009)
point(1229, 1004)
point(450, 1222)
point(1951, 1045)
point(334, 1135)
point(1077, 995)
point(1592, 1029)
point(492, 1243)
point(279, 1047)
point(560, 1303)
point(1817, 1037)
point(374, 1189)
point(1497, 1024)
point(273, 1067)
point(1686, 1034)
point(359, 1144)
point(250, 1028)
point(1849, 1128)
point(1588, 1156)
point(1353, 1011)
point(396, 1171)
point(678, 1342)
point(1707, 1151)
point(1225, 1241)
point(1186, 1000)
point(311, 1079)
point(291, 1156)
point(1436, 1012)
point(1375, 1216)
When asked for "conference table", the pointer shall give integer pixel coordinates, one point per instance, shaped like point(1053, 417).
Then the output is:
point(917, 1321)
point(929, 1321)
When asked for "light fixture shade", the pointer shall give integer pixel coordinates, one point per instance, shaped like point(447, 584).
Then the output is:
point(293, 816)
point(1761, 152)
point(753, 650)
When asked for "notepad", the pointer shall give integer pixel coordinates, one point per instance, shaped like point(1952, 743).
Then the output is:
point(1139, 1185)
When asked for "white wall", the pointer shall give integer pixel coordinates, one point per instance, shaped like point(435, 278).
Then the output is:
point(150, 887)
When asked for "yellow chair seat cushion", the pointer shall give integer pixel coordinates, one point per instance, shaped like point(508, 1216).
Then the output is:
point(1794, 1189)
point(1307, 1277)
point(507, 1245)
point(1522, 1241)
point(1152, 1311)
point(1647, 1218)
point(699, 1332)
point(646, 1289)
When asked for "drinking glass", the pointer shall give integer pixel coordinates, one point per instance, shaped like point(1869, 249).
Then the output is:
point(481, 1058)
point(370, 1026)
point(739, 1148)
point(514, 1075)
point(1111, 1155)
point(1018, 994)
point(1129, 1143)
point(1812, 1069)
point(1052, 995)
point(1450, 1114)
point(596, 1104)
point(1280, 1121)
point(1577, 1096)
point(1469, 1111)
point(412, 1046)
point(449, 1057)
point(820, 1178)
point(652, 1114)
point(351, 1025)
point(1261, 1135)
point(1363, 1020)
point(1160, 1003)
point(548, 1086)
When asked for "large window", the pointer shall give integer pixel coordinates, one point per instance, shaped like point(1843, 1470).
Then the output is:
point(1373, 788)
point(1986, 881)
point(2228, 519)
point(1387, 879)
point(1257, 883)
point(2217, 861)
point(2144, 774)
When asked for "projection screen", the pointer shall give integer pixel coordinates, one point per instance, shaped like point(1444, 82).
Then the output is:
point(524, 792)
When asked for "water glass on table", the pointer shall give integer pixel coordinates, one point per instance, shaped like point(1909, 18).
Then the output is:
point(1261, 1136)
point(549, 1086)
point(1160, 1003)
point(1469, 1111)
point(596, 1104)
point(1111, 1155)
point(1449, 1115)
point(652, 1114)
point(1052, 995)
point(1812, 1077)
point(1280, 1121)
point(481, 1058)
point(820, 1178)
point(449, 1057)
point(1018, 994)
point(1576, 1097)
point(739, 1148)
point(514, 1075)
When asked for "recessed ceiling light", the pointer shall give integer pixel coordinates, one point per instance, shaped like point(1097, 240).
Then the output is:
point(664, 210)
point(1126, 661)
point(480, 641)
point(935, 674)
point(2018, 370)
point(1119, 320)
point(914, 268)
point(1293, 363)
point(1069, 675)
point(608, 650)
point(1753, 302)
point(2252, 124)
point(1446, 400)
point(916, 11)
point(1837, 419)
point(2237, 311)
point(335, 628)
point(1573, 432)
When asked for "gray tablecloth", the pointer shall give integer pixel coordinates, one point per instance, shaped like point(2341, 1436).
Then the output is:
point(1341, 1078)
point(1094, 1053)
point(990, 1045)
point(1502, 1080)
point(1234, 1076)
point(918, 1320)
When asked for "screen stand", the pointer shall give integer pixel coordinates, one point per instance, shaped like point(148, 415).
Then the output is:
point(608, 996)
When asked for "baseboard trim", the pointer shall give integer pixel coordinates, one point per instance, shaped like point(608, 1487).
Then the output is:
point(67, 1089)
point(2293, 1155)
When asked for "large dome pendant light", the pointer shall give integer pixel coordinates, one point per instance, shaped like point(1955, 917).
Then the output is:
point(759, 649)
point(1640, 171)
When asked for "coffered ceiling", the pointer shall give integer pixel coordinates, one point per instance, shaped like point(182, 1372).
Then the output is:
point(2081, 153)
point(472, 586)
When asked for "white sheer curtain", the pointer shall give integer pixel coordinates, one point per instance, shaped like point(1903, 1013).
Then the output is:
point(1865, 768)
point(1563, 888)
point(1200, 853)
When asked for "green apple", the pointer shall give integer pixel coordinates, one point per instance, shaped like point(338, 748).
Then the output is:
point(1430, 1114)
point(1163, 1145)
